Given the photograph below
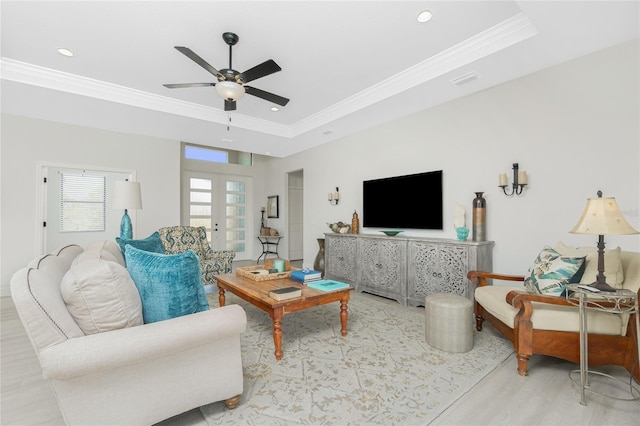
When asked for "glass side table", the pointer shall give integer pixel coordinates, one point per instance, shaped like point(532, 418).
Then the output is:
point(619, 302)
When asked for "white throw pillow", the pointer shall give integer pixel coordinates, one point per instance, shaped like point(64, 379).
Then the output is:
point(106, 250)
point(612, 263)
point(101, 296)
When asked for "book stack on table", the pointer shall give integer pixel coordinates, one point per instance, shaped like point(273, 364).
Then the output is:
point(305, 276)
point(285, 293)
point(328, 285)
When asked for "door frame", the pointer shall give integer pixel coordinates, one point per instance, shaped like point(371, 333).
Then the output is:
point(42, 169)
point(218, 179)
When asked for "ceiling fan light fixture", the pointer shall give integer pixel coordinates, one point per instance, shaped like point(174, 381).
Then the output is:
point(230, 90)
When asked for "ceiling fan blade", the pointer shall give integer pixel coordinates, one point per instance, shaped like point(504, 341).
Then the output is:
point(182, 85)
point(229, 105)
point(265, 68)
point(266, 95)
point(198, 60)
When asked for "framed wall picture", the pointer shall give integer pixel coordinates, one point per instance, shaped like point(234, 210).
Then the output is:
point(272, 207)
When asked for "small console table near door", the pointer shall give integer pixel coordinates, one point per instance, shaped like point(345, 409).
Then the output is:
point(620, 302)
point(269, 245)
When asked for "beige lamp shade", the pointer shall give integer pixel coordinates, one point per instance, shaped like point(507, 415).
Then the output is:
point(126, 195)
point(601, 216)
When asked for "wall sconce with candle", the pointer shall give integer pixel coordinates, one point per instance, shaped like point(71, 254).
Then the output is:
point(519, 181)
point(334, 197)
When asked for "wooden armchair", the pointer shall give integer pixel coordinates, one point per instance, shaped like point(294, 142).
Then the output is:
point(548, 325)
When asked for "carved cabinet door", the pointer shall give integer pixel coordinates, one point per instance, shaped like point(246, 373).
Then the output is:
point(340, 258)
point(436, 268)
point(382, 267)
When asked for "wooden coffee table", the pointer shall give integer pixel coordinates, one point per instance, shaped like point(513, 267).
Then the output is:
point(257, 293)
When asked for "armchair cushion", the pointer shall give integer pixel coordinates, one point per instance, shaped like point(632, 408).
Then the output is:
point(612, 263)
point(551, 272)
point(547, 316)
point(152, 243)
point(169, 285)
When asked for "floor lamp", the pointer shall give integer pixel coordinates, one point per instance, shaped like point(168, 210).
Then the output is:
point(601, 216)
point(126, 195)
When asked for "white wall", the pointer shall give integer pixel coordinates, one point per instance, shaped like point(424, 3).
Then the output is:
point(27, 142)
point(574, 128)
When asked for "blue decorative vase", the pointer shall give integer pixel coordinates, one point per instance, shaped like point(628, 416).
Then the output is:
point(126, 230)
point(463, 233)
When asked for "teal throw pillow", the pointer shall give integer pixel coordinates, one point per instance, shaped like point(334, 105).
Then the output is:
point(551, 272)
point(170, 285)
point(152, 243)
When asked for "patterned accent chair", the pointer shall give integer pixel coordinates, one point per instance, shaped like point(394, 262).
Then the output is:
point(178, 239)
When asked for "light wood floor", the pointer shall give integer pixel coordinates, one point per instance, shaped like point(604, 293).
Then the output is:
point(545, 397)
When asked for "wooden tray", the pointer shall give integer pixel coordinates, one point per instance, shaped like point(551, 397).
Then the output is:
point(246, 271)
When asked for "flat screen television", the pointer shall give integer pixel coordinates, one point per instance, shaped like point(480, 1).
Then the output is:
point(406, 202)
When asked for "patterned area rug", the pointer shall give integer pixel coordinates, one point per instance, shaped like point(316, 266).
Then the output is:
point(382, 372)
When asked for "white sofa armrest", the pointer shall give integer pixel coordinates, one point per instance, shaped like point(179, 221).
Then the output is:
point(113, 349)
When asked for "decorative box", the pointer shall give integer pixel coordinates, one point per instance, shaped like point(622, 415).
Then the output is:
point(256, 272)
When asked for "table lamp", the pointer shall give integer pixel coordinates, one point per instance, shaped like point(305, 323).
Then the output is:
point(126, 195)
point(601, 216)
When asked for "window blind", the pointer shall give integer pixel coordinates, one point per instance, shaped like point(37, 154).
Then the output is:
point(82, 203)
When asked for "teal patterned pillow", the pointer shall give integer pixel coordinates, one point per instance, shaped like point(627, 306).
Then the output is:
point(152, 243)
point(551, 272)
point(170, 285)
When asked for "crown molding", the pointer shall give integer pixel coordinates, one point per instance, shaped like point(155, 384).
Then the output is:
point(35, 75)
point(505, 34)
point(492, 40)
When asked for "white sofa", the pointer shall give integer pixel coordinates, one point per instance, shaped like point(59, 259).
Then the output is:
point(549, 325)
point(135, 375)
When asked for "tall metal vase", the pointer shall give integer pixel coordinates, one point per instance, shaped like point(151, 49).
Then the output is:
point(479, 230)
point(318, 263)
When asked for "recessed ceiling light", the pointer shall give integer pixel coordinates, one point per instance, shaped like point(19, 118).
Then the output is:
point(274, 109)
point(424, 16)
point(65, 52)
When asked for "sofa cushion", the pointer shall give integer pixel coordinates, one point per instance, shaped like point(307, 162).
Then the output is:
point(613, 270)
point(152, 243)
point(105, 250)
point(551, 272)
point(170, 285)
point(99, 294)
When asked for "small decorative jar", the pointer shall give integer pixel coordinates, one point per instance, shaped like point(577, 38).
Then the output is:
point(462, 233)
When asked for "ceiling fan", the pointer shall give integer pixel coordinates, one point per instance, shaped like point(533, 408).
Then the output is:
point(231, 83)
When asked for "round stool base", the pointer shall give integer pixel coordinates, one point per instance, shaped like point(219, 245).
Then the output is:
point(449, 322)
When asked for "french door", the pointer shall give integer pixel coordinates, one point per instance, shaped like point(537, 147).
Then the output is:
point(220, 203)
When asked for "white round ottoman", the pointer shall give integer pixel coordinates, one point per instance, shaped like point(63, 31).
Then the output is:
point(449, 322)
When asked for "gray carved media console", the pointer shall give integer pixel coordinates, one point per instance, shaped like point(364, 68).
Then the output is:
point(404, 268)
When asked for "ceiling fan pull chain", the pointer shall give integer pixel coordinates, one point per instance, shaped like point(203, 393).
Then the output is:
point(228, 124)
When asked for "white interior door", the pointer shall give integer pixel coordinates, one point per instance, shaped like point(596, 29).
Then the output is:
point(295, 215)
